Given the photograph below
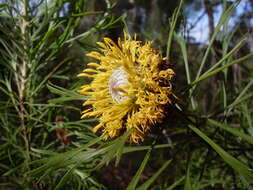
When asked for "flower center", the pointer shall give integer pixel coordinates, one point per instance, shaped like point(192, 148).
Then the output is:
point(117, 82)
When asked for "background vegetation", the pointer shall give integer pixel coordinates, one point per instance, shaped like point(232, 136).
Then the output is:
point(206, 141)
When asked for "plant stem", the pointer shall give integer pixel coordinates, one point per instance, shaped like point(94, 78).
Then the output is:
point(24, 23)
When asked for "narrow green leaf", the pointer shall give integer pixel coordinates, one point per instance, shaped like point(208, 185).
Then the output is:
point(92, 30)
point(114, 149)
point(62, 159)
point(246, 183)
point(40, 151)
point(120, 147)
point(187, 185)
point(86, 13)
point(67, 99)
point(178, 182)
point(230, 160)
point(113, 23)
point(172, 27)
point(66, 95)
point(147, 184)
point(227, 56)
point(231, 130)
point(64, 178)
point(140, 148)
point(223, 19)
point(182, 45)
point(240, 96)
point(137, 176)
point(50, 74)
point(240, 99)
point(207, 75)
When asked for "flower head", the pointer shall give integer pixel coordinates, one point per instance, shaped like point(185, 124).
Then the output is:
point(131, 88)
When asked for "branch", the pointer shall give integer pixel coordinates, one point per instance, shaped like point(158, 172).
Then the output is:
point(209, 11)
point(24, 23)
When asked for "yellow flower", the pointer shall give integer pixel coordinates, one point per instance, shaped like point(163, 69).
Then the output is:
point(131, 88)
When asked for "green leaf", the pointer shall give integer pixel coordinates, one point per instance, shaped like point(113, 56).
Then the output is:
point(140, 148)
point(227, 56)
point(115, 149)
point(187, 185)
point(40, 151)
point(241, 97)
point(66, 95)
point(137, 176)
point(86, 13)
point(215, 71)
point(176, 183)
point(238, 166)
point(231, 130)
point(147, 184)
point(65, 159)
point(64, 178)
point(173, 26)
point(223, 19)
point(182, 45)
point(51, 73)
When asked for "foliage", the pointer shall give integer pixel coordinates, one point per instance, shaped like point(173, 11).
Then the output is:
point(204, 143)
